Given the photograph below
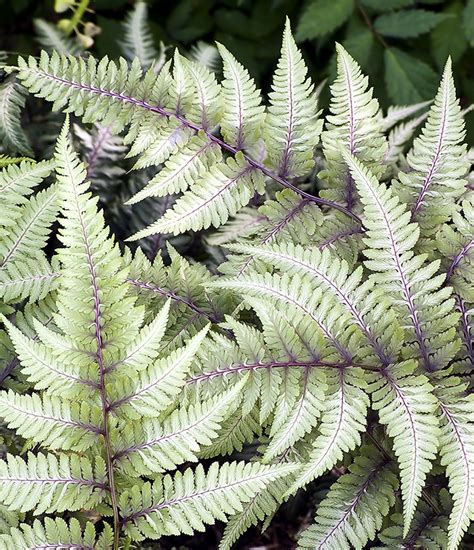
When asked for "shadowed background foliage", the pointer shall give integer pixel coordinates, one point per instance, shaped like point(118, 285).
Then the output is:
point(401, 44)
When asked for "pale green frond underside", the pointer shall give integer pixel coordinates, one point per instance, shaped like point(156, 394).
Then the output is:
point(292, 129)
point(437, 162)
point(353, 510)
point(51, 421)
point(54, 534)
point(407, 406)
point(190, 500)
point(12, 101)
point(50, 483)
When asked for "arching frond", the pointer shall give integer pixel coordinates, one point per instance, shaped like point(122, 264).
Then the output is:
point(343, 420)
point(411, 281)
point(46, 484)
point(407, 406)
point(197, 497)
point(12, 101)
point(342, 519)
point(457, 452)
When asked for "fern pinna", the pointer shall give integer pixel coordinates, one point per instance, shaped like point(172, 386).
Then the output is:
point(334, 347)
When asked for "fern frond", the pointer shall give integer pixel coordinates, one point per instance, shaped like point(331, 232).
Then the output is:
point(356, 123)
point(292, 128)
point(324, 272)
point(155, 388)
point(407, 406)
point(16, 183)
point(342, 422)
point(46, 483)
point(206, 55)
point(31, 278)
point(151, 447)
point(353, 510)
point(84, 235)
point(30, 233)
point(215, 197)
point(300, 304)
point(437, 163)
point(42, 368)
point(5, 160)
point(390, 239)
point(457, 452)
point(137, 41)
point(397, 113)
point(294, 420)
point(399, 137)
point(181, 170)
point(102, 152)
point(455, 242)
point(241, 122)
point(51, 421)
point(53, 39)
point(261, 506)
point(189, 500)
point(55, 534)
point(12, 101)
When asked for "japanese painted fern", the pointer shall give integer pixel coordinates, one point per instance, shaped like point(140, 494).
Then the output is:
point(335, 346)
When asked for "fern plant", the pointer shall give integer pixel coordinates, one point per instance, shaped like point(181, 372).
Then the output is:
point(328, 340)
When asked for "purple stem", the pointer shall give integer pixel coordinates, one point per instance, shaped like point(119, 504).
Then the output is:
point(458, 258)
point(170, 294)
point(160, 110)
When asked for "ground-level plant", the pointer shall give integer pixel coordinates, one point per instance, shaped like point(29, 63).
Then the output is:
point(330, 340)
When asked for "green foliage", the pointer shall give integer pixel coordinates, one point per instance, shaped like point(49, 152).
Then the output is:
point(318, 338)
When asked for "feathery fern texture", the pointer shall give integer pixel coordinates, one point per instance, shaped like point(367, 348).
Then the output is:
point(51, 38)
point(408, 278)
point(407, 406)
point(354, 509)
point(137, 41)
point(437, 163)
point(455, 242)
point(25, 225)
point(457, 452)
point(12, 101)
point(103, 391)
point(57, 534)
point(172, 119)
point(292, 127)
point(353, 125)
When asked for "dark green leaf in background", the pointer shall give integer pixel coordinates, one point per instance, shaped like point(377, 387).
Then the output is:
point(408, 79)
point(408, 23)
point(468, 21)
point(446, 40)
point(387, 5)
point(322, 17)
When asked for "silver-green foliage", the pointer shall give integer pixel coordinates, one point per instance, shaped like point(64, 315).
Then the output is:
point(341, 341)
